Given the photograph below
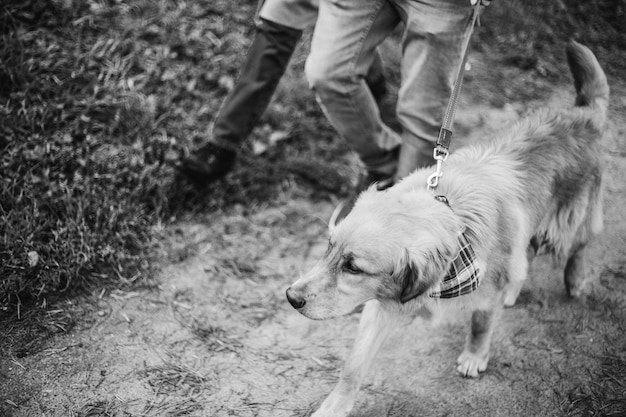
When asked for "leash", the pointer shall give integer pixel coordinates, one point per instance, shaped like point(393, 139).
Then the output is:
point(464, 274)
point(441, 152)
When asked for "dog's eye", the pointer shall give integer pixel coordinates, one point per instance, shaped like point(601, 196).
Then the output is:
point(350, 268)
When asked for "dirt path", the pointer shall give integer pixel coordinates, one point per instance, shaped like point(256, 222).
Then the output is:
point(219, 339)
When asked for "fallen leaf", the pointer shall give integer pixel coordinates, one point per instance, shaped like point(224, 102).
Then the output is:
point(258, 148)
point(277, 136)
point(33, 258)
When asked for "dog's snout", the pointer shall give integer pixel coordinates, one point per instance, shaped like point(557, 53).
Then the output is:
point(295, 300)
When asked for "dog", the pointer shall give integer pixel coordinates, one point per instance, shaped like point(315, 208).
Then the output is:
point(533, 188)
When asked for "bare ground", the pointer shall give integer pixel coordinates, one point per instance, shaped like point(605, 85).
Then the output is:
point(217, 338)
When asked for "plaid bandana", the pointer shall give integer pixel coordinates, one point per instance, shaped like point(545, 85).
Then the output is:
point(464, 275)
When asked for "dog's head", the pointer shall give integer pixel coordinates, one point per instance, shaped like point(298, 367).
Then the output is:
point(393, 246)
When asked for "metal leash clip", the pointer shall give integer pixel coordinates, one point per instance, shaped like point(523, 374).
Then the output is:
point(440, 155)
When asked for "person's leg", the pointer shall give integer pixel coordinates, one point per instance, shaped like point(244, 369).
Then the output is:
point(295, 14)
point(265, 64)
point(343, 49)
point(280, 25)
point(431, 53)
point(279, 28)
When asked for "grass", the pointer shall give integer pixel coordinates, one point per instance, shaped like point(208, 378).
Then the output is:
point(106, 408)
point(605, 392)
point(177, 389)
point(76, 182)
point(173, 377)
point(526, 55)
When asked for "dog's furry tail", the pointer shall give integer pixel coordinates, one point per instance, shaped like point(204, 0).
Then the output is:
point(592, 88)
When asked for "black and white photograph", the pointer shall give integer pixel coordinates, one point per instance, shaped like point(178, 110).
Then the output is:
point(312, 208)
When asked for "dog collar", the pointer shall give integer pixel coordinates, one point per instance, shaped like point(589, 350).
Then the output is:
point(463, 277)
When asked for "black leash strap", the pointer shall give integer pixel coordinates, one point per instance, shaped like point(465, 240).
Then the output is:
point(445, 133)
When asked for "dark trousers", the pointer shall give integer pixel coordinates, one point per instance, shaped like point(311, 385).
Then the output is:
point(265, 64)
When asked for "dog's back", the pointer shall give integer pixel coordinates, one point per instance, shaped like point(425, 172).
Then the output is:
point(553, 160)
point(577, 161)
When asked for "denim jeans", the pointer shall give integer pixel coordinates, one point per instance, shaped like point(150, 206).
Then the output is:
point(279, 27)
point(296, 14)
point(343, 47)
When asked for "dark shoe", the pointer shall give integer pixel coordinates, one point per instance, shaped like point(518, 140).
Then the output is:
point(382, 181)
point(208, 163)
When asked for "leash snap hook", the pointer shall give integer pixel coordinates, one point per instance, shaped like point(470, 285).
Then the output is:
point(440, 155)
point(433, 180)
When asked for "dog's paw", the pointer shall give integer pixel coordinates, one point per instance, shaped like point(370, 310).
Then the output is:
point(470, 364)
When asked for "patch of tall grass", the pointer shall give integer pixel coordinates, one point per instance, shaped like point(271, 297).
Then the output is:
point(93, 100)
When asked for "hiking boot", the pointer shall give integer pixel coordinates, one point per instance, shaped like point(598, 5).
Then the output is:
point(208, 163)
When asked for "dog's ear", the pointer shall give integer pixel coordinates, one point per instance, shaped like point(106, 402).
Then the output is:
point(411, 284)
point(415, 280)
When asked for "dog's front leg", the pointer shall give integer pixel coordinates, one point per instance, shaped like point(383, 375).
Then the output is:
point(476, 353)
point(373, 330)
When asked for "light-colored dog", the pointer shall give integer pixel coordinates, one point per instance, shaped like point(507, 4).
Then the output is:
point(535, 186)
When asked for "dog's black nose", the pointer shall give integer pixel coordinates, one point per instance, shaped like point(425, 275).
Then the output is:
point(296, 301)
